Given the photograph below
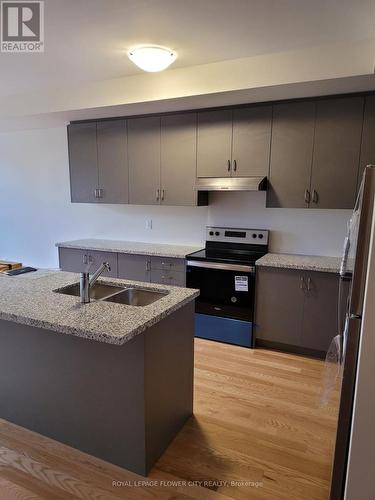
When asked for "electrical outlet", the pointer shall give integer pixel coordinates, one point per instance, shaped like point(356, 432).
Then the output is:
point(149, 224)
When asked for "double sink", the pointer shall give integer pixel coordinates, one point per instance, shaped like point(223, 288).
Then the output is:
point(118, 294)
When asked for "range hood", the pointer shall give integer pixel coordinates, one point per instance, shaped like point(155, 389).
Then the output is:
point(231, 184)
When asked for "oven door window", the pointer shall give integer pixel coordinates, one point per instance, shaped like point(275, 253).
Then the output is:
point(223, 292)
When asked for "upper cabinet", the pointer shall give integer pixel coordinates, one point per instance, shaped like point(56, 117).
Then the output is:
point(315, 153)
point(337, 147)
point(291, 154)
point(214, 146)
point(144, 160)
point(98, 162)
point(163, 160)
point(368, 137)
point(234, 142)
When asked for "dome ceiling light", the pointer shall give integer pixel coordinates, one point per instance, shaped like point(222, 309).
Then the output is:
point(152, 58)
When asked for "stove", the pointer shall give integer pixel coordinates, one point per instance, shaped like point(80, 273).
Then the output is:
point(224, 271)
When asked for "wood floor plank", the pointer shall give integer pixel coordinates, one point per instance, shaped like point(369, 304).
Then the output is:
point(259, 432)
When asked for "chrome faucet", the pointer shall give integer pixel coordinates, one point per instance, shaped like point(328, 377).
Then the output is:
point(85, 282)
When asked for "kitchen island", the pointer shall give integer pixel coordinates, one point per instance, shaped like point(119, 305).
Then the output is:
point(110, 379)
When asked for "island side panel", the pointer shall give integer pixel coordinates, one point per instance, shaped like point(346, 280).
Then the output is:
point(87, 394)
point(169, 365)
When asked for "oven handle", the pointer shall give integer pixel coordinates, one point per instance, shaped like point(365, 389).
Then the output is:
point(221, 266)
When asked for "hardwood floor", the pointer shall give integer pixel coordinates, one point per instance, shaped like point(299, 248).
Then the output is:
point(259, 432)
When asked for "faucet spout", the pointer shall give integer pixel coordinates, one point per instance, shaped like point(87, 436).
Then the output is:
point(86, 282)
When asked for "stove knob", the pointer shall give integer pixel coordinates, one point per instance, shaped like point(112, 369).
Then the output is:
point(254, 235)
point(211, 233)
point(261, 236)
point(217, 233)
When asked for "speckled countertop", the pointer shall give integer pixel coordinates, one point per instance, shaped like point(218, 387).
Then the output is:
point(303, 262)
point(29, 299)
point(132, 247)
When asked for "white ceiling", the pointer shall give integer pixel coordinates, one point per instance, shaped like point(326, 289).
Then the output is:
point(86, 40)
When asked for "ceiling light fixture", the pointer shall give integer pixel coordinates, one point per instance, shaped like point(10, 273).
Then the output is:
point(152, 58)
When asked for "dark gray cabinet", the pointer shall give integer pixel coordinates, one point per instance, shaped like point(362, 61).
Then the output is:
point(83, 162)
point(368, 137)
point(214, 144)
point(296, 309)
point(144, 160)
point(337, 146)
point(98, 162)
point(79, 260)
point(112, 161)
point(134, 267)
point(234, 143)
point(251, 141)
point(291, 154)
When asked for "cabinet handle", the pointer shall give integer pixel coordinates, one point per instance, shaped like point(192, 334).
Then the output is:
point(162, 195)
point(228, 166)
point(100, 193)
point(95, 193)
point(309, 284)
point(307, 196)
point(148, 265)
point(157, 194)
point(235, 165)
point(315, 196)
point(302, 283)
point(85, 259)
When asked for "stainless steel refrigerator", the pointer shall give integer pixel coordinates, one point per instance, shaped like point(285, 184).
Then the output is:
point(353, 274)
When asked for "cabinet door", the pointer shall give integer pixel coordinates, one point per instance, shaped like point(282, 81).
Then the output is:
point(73, 260)
point(144, 160)
point(251, 141)
point(336, 152)
point(173, 278)
point(368, 137)
point(83, 162)
point(214, 143)
point(279, 306)
point(112, 161)
point(134, 267)
point(291, 154)
point(178, 159)
point(320, 321)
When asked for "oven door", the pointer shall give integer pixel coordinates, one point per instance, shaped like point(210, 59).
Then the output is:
point(226, 289)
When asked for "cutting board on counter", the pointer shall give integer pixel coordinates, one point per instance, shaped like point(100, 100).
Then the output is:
point(6, 265)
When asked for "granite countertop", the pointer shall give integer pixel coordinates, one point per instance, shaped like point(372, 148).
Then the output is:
point(29, 299)
point(132, 247)
point(303, 262)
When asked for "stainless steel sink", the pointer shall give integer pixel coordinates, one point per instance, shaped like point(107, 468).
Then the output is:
point(97, 291)
point(136, 297)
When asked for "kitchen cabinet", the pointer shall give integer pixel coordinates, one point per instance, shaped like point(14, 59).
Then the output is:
point(234, 143)
point(98, 162)
point(167, 277)
point(251, 141)
point(291, 155)
point(337, 146)
point(214, 143)
point(134, 267)
point(112, 161)
point(144, 160)
point(79, 260)
point(368, 137)
point(179, 161)
point(83, 162)
point(296, 310)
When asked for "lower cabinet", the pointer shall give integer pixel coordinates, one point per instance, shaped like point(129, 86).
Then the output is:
point(134, 267)
point(296, 310)
point(164, 270)
point(77, 260)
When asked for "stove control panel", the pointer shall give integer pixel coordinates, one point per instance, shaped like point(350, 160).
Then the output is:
point(236, 235)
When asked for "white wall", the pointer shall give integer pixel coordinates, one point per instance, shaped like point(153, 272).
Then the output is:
point(35, 210)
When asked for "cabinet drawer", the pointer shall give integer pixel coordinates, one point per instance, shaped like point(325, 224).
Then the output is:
point(167, 277)
point(134, 267)
point(76, 260)
point(168, 263)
